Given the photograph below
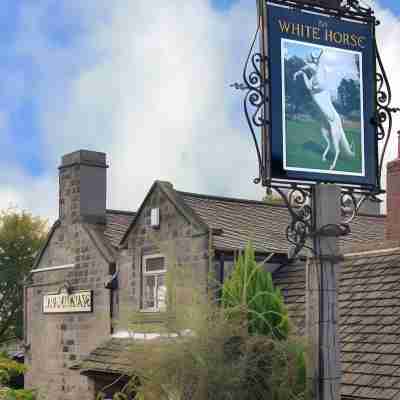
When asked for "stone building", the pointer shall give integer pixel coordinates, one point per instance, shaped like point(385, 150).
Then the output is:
point(99, 266)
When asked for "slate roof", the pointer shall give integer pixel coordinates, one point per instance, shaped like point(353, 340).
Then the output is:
point(117, 355)
point(117, 223)
point(369, 320)
point(241, 221)
point(113, 356)
point(264, 224)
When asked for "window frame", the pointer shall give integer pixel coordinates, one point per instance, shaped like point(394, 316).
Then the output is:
point(156, 274)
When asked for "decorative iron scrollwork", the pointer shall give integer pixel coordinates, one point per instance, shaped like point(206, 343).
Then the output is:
point(354, 6)
point(384, 111)
point(348, 9)
point(299, 197)
point(351, 202)
point(255, 99)
point(298, 201)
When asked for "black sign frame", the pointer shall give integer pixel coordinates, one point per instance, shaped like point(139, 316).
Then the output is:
point(315, 23)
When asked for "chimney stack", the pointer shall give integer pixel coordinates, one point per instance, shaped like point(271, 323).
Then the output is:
point(83, 187)
point(392, 231)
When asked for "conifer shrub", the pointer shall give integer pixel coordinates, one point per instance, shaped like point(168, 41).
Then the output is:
point(250, 290)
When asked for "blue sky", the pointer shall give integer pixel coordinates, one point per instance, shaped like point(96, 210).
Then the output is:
point(130, 80)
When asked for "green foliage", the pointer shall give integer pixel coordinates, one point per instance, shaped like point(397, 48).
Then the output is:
point(250, 290)
point(219, 361)
point(273, 200)
point(348, 100)
point(21, 394)
point(21, 236)
point(241, 350)
point(298, 99)
point(9, 369)
point(305, 146)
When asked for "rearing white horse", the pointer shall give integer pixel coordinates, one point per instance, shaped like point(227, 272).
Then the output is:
point(331, 123)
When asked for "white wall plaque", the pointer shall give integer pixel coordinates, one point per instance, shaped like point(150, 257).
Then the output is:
point(64, 302)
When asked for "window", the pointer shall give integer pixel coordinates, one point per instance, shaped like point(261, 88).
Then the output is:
point(154, 287)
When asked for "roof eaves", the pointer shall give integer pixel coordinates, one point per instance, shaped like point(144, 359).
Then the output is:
point(182, 206)
point(44, 247)
point(139, 211)
point(100, 243)
point(231, 199)
point(121, 212)
point(373, 252)
point(173, 196)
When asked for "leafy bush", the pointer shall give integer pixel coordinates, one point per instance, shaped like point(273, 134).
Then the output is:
point(240, 351)
point(20, 394)
point(250, 290)
point(9, 369)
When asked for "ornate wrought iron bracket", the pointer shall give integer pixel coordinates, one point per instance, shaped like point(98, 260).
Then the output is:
point(348, 9)
point(299, 201)
point(354, 6)
point(384, 112)
point(255, 99)
point(352, 200)
point(297, 197)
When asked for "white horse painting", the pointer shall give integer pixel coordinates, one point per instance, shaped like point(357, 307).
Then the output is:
point(315, 77)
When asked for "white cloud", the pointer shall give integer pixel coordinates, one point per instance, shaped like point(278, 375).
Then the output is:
point(149, 86)
point(148, 83)
point(33, 195)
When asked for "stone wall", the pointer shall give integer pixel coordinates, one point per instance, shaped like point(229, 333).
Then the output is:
point(59, 341)
point(178, 239)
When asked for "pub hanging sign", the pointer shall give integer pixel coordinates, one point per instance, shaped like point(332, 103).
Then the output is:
point(64, 302)
point(323, 98)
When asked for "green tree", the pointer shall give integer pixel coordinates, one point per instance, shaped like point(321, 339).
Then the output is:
point(250, 289)
point(349, 97)
point(21, 236)
point(298, 99)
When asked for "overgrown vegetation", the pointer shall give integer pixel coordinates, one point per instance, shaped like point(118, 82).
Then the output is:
point(9, 369)
point(238, 349)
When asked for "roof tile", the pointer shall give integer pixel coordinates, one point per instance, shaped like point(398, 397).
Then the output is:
point(117, 222)
point(369, 296)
